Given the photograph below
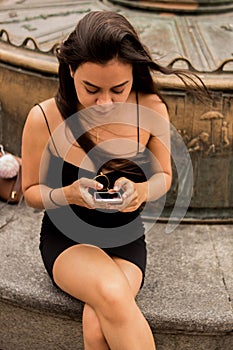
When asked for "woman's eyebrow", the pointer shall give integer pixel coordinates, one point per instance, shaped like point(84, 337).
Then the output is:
point(97, 87)
point(120, 85)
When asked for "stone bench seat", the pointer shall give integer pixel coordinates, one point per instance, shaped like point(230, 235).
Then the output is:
point(187, 295)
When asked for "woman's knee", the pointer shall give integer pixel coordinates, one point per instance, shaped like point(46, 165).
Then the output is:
point(115, 296)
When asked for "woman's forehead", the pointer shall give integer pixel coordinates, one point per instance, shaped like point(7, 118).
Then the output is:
point(113, 71)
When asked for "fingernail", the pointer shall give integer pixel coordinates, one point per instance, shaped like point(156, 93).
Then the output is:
point(99, 185)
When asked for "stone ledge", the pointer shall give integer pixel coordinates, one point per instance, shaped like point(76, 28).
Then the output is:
point(187, 296)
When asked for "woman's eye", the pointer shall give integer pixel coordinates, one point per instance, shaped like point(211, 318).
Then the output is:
point(117, 91)
point(94, 91)
point(91, 91)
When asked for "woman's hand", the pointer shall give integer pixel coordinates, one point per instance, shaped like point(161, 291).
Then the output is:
point(134, 194)
point(79, 193)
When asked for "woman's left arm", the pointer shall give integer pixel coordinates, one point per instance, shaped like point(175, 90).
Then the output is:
point(160, 153)
point(160, 182)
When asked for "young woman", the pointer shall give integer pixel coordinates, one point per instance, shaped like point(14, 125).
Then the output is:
point(102, 65)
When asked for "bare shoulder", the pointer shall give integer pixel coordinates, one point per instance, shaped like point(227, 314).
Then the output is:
point(154, 102)
point(36, 118)
point(35, 129)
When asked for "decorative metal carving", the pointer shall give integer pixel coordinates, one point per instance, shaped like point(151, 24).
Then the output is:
point(209, 140)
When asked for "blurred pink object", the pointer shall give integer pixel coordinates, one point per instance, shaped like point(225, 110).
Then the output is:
point(9, 166)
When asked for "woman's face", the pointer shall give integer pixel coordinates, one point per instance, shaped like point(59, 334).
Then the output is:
point(103, 84)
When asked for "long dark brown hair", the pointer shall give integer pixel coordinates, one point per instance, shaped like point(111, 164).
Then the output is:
point(99, 37)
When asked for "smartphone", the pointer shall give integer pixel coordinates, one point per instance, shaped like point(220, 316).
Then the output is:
point(108, 197)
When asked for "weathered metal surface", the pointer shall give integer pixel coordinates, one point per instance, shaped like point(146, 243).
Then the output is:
point(30, 32)
point(19, 91)
point(198, 39)
point(207, 132)
point(179, 7)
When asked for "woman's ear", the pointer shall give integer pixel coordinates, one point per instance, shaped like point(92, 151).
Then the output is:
point(71, 72)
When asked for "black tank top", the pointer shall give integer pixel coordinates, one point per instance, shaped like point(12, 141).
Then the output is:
point(134, 170)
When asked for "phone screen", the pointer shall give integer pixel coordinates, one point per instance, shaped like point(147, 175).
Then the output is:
point(114, 197)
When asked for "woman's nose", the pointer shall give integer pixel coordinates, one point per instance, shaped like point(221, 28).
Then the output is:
point(104, 99)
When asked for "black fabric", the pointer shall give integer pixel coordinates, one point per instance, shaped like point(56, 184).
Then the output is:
point(53, 243)
point(97, 218)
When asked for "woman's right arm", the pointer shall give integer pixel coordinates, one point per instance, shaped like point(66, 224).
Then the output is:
point(34, 142)
point(36, 193)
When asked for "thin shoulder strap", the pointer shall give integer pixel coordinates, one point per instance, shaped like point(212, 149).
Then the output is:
point(138, 122)
point(50, 133)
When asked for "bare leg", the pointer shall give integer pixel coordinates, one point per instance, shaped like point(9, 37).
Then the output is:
point(88, 274)
point(93, 335)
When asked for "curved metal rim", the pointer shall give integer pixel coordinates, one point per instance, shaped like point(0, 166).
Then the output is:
point(155, 7)
point(28, 59)
point(46, 62)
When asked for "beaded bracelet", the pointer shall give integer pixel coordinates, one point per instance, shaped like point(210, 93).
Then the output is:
point(51, 199)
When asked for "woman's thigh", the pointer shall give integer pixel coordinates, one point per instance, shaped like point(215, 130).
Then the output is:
point(132, 273)
point(86, 272)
